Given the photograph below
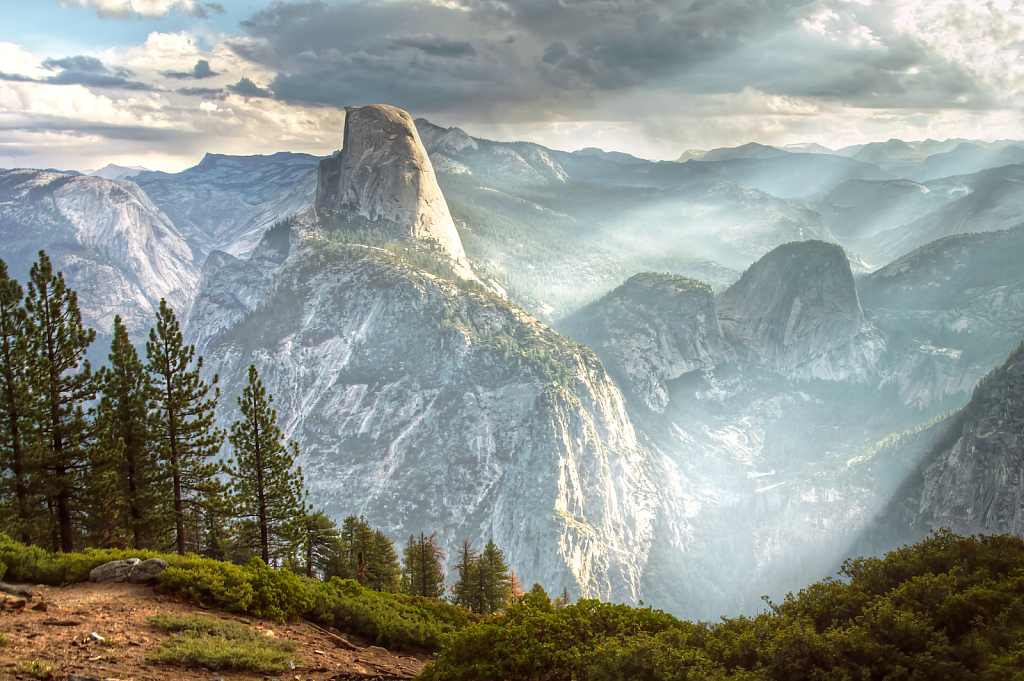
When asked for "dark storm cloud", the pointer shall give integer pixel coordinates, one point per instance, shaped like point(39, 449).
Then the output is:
point(83, 70)
point(207, 92)
point(438, 47)
point(16, 78)
point(199, 71)
point(79, 128)
point(552, 54)
point(247, 88)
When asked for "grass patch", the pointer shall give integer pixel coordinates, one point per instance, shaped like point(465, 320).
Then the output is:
point(40, 670)
point(4, 641)
point(202, 641)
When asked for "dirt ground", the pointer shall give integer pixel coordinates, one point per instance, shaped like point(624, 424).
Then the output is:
point(60, 636)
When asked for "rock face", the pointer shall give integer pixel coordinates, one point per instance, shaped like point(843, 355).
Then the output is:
point(428, 407)
point(226, 202)
point(652, 329)
point(796, 311)
point(977, 485)
point(383, 174)
point(113, 245)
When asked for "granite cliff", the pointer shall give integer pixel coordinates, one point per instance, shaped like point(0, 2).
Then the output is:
point(383, 174)
point(429, 405)
point(796, 311)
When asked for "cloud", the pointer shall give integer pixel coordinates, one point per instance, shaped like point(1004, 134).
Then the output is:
point(438, 47)
point(199, 71)
point(135, 9)
point(247, 88)
point(82, 70)
point(205, 92)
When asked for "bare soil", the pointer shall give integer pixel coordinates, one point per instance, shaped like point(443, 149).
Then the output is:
point(60, 635)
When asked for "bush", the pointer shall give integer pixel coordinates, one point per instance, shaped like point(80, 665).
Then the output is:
point(223, 585)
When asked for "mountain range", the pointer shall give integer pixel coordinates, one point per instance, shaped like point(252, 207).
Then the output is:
point(691, 383)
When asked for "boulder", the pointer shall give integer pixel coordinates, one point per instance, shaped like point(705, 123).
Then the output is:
point(130, 570)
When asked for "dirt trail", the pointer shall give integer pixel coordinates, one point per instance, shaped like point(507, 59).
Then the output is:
point(60, 636)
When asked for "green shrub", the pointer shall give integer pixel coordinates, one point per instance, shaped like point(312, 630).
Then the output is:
point(3, 569)
point(277, 594)
point(29, 563)
point(223, 585)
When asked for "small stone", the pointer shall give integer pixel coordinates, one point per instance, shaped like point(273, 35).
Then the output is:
point(41, 606)
point(96, 637)
point(376, 650)
point(14, 603)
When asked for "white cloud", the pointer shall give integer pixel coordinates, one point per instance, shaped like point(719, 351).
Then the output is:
point(134, 9)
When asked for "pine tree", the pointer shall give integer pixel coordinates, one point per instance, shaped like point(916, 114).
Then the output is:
point(462, 589)
point(63, 382)
point(423, 567)
point(515, 586)
point(123, 431)
point(18, 413)
point(185, 436)
point(268, 486)
point(323, 546)
point(497, 588)
point(369, 555)
point(385, 568)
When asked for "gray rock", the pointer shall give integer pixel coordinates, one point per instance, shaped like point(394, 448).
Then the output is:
point(130, 570)
point(147, 571)
point(652, 329)
point(796, 311)
point(383, 174)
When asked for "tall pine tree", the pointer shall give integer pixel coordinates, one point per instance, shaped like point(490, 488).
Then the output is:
point(268, 486)
point(423, 566)
point(123, 437)
point(185, 437)
point(18, 413)
point(62, 382)
point(462, 589)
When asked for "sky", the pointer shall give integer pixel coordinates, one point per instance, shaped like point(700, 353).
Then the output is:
point(159, 83)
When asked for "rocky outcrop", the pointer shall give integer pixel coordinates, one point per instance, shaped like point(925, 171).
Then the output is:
point(977, 485)
point(796, 311)
point(652, 329)
point(114, 246)
point(428, 407)
point(383, 174)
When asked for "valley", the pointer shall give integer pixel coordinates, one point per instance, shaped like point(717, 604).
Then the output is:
point(689, 383)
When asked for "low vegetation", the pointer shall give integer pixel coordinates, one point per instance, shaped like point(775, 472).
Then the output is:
point(395, 621)
point(201, 641)
point(947, 608)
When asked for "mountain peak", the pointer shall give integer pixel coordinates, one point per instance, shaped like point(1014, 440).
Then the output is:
point(383, 173)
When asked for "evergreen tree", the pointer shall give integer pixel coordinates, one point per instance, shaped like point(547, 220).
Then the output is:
point(18, 413)
point(423, 567)
point(123, 431)
point(185, 436)
point(462, 589)
point(496, 586)
point(62, 382)
point(369, 555)
point(323, 546)
point(385, 568)
point(515, 586)
point(268, 486)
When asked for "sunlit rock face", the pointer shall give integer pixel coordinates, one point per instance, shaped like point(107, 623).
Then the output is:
point(796, 311)
point(977, 485)
point(654, 328)
point(115, 248)
point(427, 407)
point(383, 174)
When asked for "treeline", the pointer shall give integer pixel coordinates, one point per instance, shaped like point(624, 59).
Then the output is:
point(128, 457)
